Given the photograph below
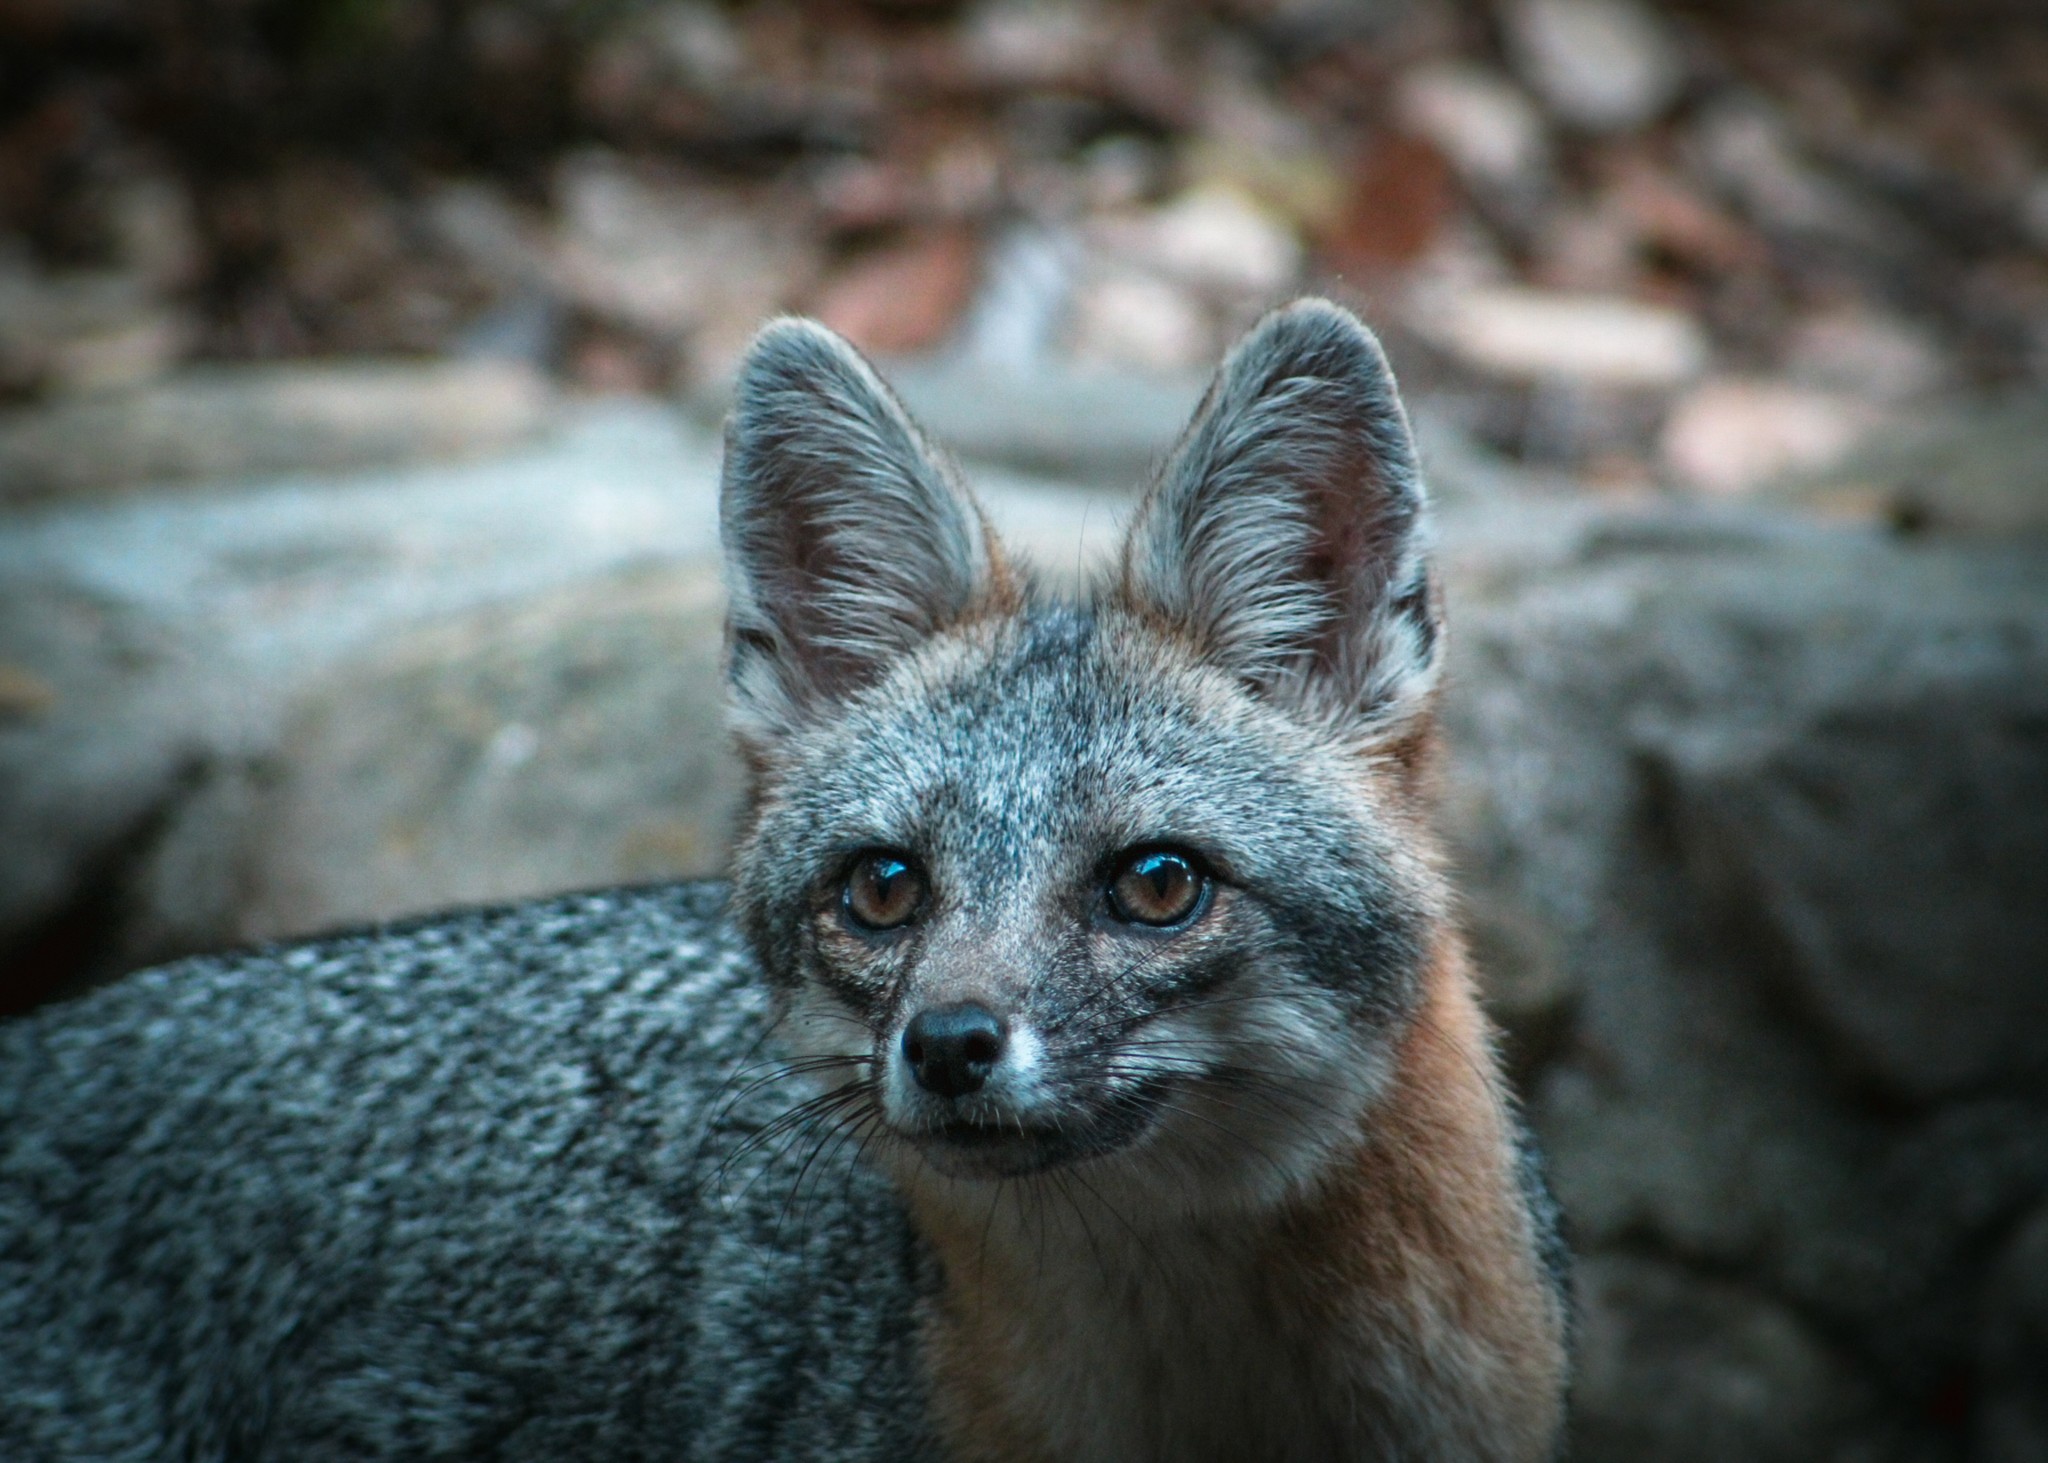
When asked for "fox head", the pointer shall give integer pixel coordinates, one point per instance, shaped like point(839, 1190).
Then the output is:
point(1134, 887)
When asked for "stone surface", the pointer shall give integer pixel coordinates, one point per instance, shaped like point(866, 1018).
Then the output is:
point(575, 740)
point(1678, 1367)
point(1138, 321)
point(1901, 892)
point(1971, 467)
point(83, 330)
point(254, 421)
point(1698, 1102)
point(2012, 1425)
point(1096, 426)
point(1731, 435)
point(1526, 334)
point(680, 263)
point(1477, 118)
point(1605, 65)
point(157, 645)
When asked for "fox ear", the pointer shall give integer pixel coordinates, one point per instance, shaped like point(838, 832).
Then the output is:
point(847, 540)
point(1286, 533)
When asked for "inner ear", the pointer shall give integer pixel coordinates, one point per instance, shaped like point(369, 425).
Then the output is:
point(1286, 534)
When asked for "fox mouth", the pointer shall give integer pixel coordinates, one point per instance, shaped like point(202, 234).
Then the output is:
point(962, 1148)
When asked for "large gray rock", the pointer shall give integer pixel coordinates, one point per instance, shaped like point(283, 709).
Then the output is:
point(1698, 783)
point(222, 422)
point(154, 649)
point(1678, 1367)
point(577, 740)
point(2012, 1426)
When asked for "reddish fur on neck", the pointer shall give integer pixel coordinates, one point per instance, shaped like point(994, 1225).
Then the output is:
point(1415, 1249)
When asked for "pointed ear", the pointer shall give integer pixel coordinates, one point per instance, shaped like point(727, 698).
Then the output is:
point(1286, 533)
point(847, 540)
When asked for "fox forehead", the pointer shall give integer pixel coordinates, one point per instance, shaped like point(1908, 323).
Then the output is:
point(1063, 732)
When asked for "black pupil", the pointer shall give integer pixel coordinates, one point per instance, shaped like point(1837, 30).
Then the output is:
point(1156, 888)
point(883, 891)
point(1164, 873)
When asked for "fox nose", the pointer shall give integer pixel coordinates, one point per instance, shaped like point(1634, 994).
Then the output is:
point(952, 1049)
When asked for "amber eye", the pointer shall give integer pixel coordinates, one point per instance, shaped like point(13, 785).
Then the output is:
point(883, 891)
point(1156, 886)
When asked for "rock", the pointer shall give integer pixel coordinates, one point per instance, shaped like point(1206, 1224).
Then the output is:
point(681, 47)
point(1908, 896)
point(1700, 1105)
point(1213, 239)
point(1596, 340)
point(1479, 119)
point(1856, 349)
point(1732, 435)
point(2012, 1420)
point(1604, 65)
point(1587, 250)
point(1744, 149)
point(2033, 210)
point(1970, 466)
point(1028, 43)
point(1530, 992)
point(155, 227)
point(1026, 292)
point(904, 298)
point(1130, 320)
point(83, 330)
point(96, 737)
point(1055, 420)
point(1678, 1367)
point(677, 262)
point(223, 422)
point(340, 234)
point(157, 647)
point(1668, 213)
point(476, 222)
point(576, 739)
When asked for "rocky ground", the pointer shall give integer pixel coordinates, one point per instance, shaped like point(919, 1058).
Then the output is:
point(359, 367)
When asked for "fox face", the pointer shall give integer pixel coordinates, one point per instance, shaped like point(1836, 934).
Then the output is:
point(1129, 891)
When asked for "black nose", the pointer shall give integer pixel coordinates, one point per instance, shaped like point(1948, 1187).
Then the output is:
point(952, 1049)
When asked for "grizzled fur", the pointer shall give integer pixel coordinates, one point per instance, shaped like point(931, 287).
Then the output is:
point(599, 1177)
point(482, 1186)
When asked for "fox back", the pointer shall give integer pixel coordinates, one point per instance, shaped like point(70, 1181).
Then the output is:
point(1082, 1064)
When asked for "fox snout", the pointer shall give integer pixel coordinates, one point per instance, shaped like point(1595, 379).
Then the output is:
point(951, 1049)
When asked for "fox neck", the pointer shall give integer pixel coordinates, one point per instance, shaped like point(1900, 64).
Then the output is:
point(1395, 1307)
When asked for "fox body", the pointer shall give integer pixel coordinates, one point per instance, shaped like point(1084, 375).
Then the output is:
point(1082, 1063)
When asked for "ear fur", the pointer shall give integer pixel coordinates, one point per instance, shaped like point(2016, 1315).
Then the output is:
point(847, 538)
point(1287, 532)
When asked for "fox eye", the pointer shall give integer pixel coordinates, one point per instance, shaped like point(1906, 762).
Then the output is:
point(1156, 886)
point(883, 891)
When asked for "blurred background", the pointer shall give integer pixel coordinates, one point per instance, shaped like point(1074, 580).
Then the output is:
point(360, 370)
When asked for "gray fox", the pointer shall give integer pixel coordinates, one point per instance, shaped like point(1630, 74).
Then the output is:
point(1082, 1063)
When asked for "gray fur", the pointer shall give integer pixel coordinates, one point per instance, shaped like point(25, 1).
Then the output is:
point(603, 1176)
point(477, 1187)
